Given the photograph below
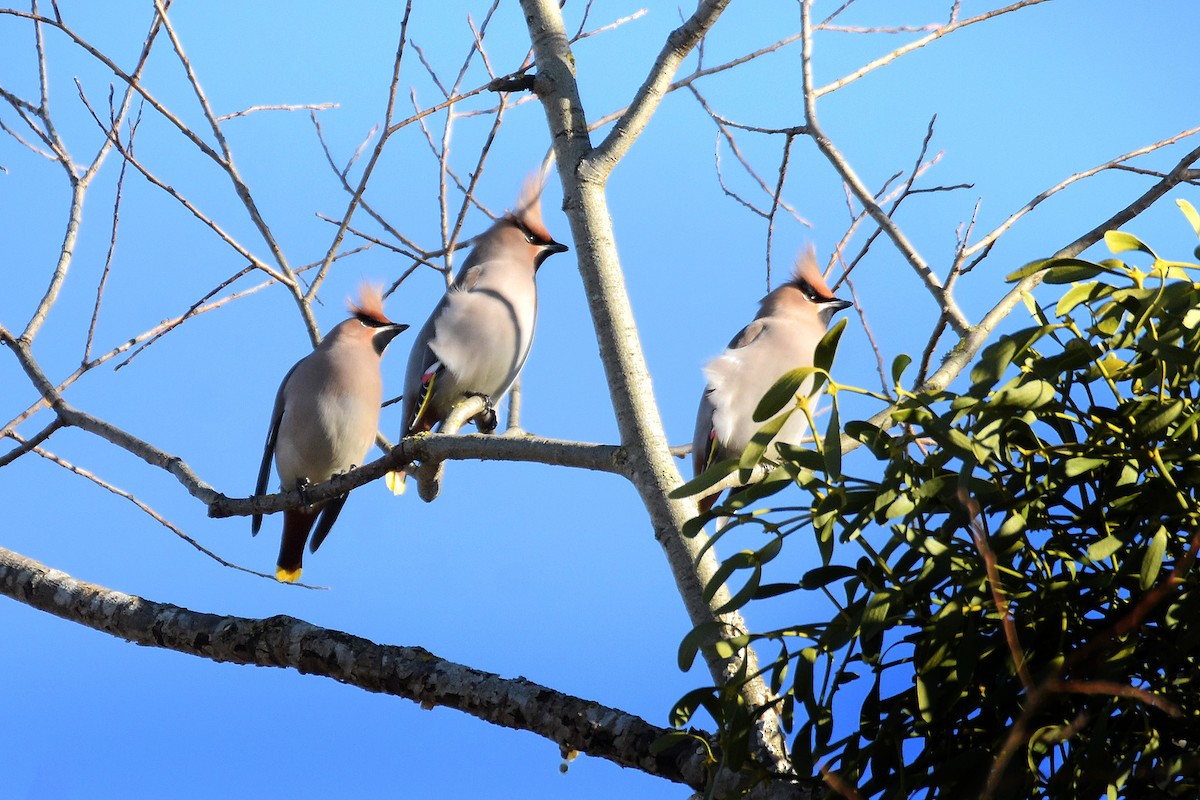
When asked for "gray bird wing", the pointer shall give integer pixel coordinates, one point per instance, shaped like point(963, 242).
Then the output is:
point(264, 469)
point(485, 333)
point(704, 450)
point(467, 279)
point(422, 357)
point(747, 335)
point(702, 454)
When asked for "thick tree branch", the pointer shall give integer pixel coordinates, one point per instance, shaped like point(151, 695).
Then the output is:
point(409, 672)
point(431, 448)
point(633, 121)
point(426, 447)
point(650, 464)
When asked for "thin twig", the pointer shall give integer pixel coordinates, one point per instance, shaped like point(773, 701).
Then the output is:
point(940, 32)
point(356, 196)
point(112, 242)
point(980, 537)
point(301, 107)
point(96, 479)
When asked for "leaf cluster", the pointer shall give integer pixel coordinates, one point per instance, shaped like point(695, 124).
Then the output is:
point(1013, 580)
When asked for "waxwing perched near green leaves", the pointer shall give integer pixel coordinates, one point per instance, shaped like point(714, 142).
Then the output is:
point(784, 335)
point(325, 419)
point(477, 338)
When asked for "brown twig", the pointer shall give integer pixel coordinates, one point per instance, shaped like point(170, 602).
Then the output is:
point(980, 537)
point(837, 783)
point(103, 484)
point(356, 196)
point(112, 239)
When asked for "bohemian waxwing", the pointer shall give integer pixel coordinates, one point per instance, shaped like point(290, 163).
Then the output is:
point(325, 420)
point(477, 338)
point(783, 336)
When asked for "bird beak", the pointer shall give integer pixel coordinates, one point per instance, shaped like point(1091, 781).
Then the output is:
point(384, 335)
point(547, 250)
point(838, 305)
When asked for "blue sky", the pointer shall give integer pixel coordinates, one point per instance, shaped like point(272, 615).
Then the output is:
point(517, 569)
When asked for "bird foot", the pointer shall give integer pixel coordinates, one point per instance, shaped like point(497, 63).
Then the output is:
point(486, 421)
point(302, 488)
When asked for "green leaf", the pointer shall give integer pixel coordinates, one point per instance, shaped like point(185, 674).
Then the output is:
point(823, 576)
point(1081, 464)
point(783, 392)
point(728, 648)
point(1070, 273)
point(1120, 242)
point(1079, 293)
point(697, 636)
point(923, 706)
point(741, 560)
point(997, 357)
point(1060, 270)
point(1030, 394)
point(767, 590)
point(832, 446)
point(1031, 268)
point(1190, 212)
point(899, 364)
point(827, 347)
point(745, 594)
point(1104, 548)
point(875, 439)
point(1162, 419)
point(762, 439)
point(900, 507)
point(1012, 526)
point(686, 706)
point(876, 614)
point(705, 480)
point(1152, 561)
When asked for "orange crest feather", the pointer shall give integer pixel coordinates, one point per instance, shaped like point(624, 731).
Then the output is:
point(369, 303)
point(806, 270)
point(529, 206)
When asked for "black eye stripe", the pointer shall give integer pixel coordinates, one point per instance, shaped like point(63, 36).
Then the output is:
point(530, 236)
point(369, 321)
point(811, 293)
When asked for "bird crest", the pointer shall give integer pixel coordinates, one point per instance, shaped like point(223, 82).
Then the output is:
point(528, 211)
point(369, 303)
point(806, 272)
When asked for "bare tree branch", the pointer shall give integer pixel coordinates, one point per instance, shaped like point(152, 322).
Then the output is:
point(944, 30)
point(356, 197)
point(964, 352)
point(650, 464)
point(634, 120)
point(409, 672)
point(949, 307)
point(254, 109)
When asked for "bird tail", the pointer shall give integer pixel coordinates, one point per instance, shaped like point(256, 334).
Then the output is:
point(329, 515)
point(396, 481)
point(296, 525)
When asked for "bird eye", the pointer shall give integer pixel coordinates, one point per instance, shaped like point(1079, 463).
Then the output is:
point(529, 237)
